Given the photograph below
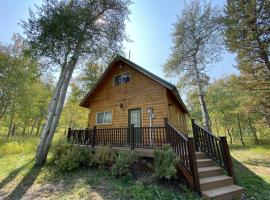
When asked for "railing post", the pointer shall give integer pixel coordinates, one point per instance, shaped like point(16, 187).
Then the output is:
point(68, 134)
point(195, 134)
point(94, 136)
point(132, 136)
point(227, 157)
point(193, 165)
point(166, 130)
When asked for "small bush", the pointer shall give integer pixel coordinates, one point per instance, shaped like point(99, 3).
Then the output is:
point(165, 163)
point(69, 157)
point(103, 157)
point(122, 163)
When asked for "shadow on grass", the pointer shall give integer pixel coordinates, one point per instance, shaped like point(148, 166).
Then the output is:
point(13, 174)
point(24, 184)
point(255, 186)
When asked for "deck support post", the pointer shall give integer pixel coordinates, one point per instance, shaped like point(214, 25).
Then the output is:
point(132, 134)
point(193, 165)
point(68, 134)
point(227, 157)
point(94, 136)
point(195, 135)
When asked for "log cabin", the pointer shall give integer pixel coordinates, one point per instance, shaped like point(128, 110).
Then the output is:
point(129, 94)
point(132, 109)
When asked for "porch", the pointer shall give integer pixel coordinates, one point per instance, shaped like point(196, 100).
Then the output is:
point(200, 158)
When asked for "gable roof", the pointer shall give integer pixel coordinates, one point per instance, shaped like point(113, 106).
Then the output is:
point(161, 81)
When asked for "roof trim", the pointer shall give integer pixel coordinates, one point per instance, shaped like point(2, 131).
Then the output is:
point(161, 81)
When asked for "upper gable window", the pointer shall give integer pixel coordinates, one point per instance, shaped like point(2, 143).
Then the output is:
point(122, 78)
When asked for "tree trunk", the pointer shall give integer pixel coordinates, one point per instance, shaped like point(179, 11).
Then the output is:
point(57, 116)
point(11, 123)
point(205, 114)
point(24, 128)
point(233, 134)
point(229, 134)
point(38, 126)
point(240, 130)
point(50, 115)
point(34, 124)
point(254, 131)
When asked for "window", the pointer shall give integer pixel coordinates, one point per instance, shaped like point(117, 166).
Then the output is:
point(104, 117)
point(122, 78)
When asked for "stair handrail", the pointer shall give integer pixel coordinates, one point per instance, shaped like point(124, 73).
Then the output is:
point(215, 147)
point(184, 147)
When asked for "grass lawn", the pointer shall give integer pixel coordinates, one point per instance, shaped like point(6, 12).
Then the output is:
point(252, 169)
point(20, 179)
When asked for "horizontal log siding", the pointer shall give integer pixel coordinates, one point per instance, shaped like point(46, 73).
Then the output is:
point(174, 108)
point(140, 92)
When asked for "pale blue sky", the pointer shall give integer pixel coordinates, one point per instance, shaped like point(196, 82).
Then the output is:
point(149, 28)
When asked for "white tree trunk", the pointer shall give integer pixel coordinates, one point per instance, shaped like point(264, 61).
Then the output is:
point(205, 114)
point(56, 118)
point(50, 115)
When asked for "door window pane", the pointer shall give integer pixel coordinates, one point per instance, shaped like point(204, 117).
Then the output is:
point(135, 118)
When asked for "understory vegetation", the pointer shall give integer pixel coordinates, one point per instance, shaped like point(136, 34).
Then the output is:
point(20, 178)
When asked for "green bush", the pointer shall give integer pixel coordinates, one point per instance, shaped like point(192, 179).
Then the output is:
point(103, 157)
point(165, 163)
point(69, 158)
point(122, 163)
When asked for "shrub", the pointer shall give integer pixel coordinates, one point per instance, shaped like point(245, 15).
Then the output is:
point(165, 163)
point(69, 157)
point(103, 157)
point(122, 163)
point(60, 149)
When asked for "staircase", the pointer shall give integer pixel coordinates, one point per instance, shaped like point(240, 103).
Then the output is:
point(204, 162)
point(213, 183)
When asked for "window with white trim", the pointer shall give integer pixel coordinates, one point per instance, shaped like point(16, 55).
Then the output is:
point(104, 117)
point(122, 78)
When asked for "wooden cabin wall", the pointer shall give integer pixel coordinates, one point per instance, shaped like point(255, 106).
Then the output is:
point(176, 114)
point(140, 92)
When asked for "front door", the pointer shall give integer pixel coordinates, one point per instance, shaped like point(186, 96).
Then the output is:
point(134, 117)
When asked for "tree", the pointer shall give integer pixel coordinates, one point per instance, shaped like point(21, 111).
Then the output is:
point(247, 33)
point(197, 43)
point(60, 33)
point(88, 78)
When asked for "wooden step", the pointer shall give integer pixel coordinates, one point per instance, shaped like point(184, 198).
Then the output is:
point(223, 193)
point(215, 181)
point(209, 171)
point(205, 162)
point(201, 155)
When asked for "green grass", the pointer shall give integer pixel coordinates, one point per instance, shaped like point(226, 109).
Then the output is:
point(252, 169)
point(19, 178)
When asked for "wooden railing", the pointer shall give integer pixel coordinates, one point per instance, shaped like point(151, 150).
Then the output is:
point(185, 149)
point(215, 147)
point(133, 137)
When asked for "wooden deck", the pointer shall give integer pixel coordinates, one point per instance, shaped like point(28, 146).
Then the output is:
point(201, 160)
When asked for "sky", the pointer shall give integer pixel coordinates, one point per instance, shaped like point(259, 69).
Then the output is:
point(149, 27)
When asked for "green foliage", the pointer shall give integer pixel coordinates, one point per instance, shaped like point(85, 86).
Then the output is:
point(247, 34)
point(123, 161)
point(165, 163)
point(69, 158)
point(11, 146)
point(103, 157)
point(60, 29)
